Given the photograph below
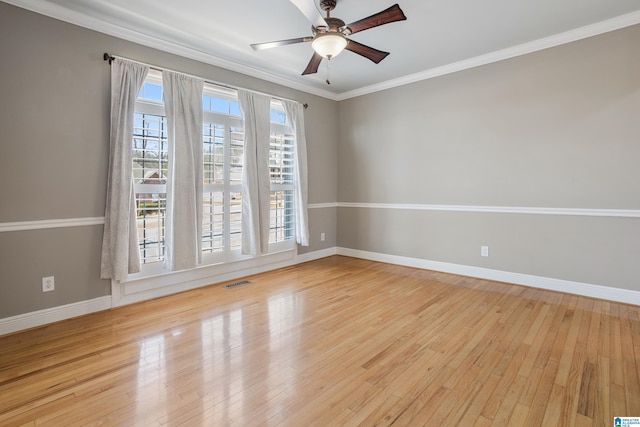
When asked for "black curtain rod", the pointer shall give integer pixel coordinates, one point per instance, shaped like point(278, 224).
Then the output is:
point(110, 58)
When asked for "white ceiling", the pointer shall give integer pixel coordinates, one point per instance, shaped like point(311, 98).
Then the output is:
point(438, 36)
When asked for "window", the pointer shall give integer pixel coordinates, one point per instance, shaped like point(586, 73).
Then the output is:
point(281, 179)
point(150, 171)
point(223, 150)
point(223, 145)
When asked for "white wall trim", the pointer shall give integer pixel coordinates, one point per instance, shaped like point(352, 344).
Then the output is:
point(577, 288)
point(322, 205)
point(312, 256)
point(608, 25)
point(624, 213)
point(42, 317)
point(50, 223)
point(621, 213)
point(82, 222)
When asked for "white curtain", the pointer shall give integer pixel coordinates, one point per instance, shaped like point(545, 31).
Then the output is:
point(255, 172)
point(295, 119)
point(183, 229)
point(120, 255)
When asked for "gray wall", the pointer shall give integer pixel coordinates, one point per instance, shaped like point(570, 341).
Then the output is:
point(559, 128)
point(54, 126)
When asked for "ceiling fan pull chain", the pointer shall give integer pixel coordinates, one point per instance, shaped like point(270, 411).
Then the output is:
point(328, 73)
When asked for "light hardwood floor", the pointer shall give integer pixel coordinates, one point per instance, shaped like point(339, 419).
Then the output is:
point(333, 342)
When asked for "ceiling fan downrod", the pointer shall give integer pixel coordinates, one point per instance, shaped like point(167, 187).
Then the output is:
point(334, 25)
point(328, 5)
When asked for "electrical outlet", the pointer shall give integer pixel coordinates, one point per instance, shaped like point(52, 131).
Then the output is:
point(48, 284)
point(484, 250)
point(322, 237)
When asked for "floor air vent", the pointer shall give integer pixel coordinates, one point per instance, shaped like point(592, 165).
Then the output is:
point(236, 284)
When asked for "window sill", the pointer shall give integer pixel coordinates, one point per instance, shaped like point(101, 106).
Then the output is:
point(154, 284)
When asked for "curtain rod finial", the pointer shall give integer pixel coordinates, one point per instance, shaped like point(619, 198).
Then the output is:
point(305, 105)
point(108, 57)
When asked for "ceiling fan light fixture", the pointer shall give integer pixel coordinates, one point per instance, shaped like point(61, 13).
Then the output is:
point(329, 45)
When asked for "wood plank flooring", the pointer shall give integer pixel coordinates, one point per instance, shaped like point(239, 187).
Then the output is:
point(333, 342)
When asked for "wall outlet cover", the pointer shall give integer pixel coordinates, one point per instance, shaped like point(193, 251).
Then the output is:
point(48, 284)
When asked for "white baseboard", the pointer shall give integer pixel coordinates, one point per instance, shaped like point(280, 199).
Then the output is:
point(42, 317)
point(577, 288)
point(311, 256)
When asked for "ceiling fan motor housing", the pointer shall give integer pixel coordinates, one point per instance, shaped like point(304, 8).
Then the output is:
point(334, 23)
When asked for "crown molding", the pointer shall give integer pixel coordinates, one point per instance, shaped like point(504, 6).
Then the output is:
point(587, 31)
point(63, 14)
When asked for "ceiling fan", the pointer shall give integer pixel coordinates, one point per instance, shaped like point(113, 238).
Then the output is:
point(330, 34)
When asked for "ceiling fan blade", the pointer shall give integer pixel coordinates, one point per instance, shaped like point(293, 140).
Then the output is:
point(269, 45)
point(392, 14)
point(313, 64)
point(309, 9)
point(368, 52)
